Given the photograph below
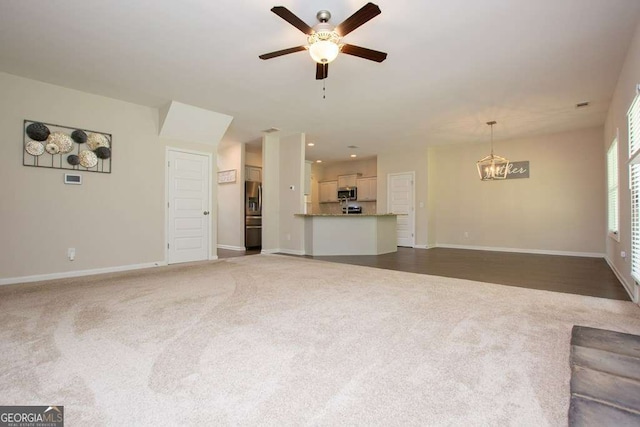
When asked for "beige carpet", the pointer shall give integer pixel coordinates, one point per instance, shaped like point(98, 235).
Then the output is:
point(278, 340)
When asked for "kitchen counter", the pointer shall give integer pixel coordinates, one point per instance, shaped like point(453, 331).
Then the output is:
point(349, 234)
point(349, 215)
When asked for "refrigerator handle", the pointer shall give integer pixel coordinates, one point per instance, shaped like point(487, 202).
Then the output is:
point(260, 198)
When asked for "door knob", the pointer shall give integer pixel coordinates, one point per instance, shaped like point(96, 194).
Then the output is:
point(206, 212)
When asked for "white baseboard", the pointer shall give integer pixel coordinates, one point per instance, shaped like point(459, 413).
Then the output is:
point(520, 250)
point(629, 287)
point(213, 257)
point(270, 251)
point(232, 248)
point(78, 273)
point(282, 251)
point(420, 247)
point(291, 252)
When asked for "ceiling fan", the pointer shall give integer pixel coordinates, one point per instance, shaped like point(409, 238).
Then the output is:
point(324, 39)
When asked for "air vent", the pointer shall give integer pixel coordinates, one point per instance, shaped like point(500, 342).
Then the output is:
point(352, 146)
point(582, 104)
point(271, 130)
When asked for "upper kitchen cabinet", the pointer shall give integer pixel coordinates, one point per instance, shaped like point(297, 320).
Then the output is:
point(328, 191)
point(253, 173)
point(348, 180)
point(367, 189)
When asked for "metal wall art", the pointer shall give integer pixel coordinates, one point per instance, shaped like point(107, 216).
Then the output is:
point(60, 147)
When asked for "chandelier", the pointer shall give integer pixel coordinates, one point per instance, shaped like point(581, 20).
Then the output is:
point(492, 167)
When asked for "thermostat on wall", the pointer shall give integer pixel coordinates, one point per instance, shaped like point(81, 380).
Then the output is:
point(72, 178)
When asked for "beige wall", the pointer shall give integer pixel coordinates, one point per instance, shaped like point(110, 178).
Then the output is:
point(283, 160)
point(432, 223)
point(617, 120)
point(113, 220)
point(406, 161)
point(561, 207)
point(271, 193)
point(231, 199)
point(292, 200)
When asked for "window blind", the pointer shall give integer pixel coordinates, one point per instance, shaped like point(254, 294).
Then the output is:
point(633, 117)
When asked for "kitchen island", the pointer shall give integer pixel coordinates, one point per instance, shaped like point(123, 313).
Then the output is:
point(349, 234)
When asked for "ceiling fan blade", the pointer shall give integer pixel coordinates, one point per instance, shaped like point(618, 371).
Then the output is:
point(363, 52)
point(322, 71)
point(292, 19)
point(281, 52)
point(366, 13)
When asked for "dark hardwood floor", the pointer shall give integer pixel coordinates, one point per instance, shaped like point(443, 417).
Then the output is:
point(568, 274)
point(574, 275)
point(226, 253)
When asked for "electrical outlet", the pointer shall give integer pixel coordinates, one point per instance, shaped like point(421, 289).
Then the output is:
point(623, 254)
point(466, 234)
point(288, 236)
point(71, 254)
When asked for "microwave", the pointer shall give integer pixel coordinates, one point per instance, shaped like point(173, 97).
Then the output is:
point(349, 193)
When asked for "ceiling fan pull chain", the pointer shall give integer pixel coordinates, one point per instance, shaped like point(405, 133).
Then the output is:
point(324, 89)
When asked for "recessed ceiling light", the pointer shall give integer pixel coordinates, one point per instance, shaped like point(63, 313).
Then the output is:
point(310, 144)
point(354, 155)
point(318, 161)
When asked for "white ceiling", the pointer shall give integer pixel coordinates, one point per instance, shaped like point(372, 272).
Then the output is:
point(452, 65)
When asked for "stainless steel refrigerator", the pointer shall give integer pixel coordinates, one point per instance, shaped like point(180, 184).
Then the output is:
point(253, 214)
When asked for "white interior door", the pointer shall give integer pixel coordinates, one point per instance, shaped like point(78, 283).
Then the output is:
point(400, 195)
point(188, 207)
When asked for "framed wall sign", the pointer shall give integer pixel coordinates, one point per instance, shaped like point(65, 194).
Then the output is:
point(518, 170)
point(226, 177)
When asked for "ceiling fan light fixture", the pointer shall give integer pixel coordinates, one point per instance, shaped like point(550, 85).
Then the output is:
point(324, 45)
point(324, 39)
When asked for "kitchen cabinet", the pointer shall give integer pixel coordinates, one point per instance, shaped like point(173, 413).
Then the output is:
point(253, 173)
point(328, 191)
point(347, 180)
point(367, 189)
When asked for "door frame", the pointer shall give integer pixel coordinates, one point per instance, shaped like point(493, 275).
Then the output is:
point(413, 200)
point(169, 149)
